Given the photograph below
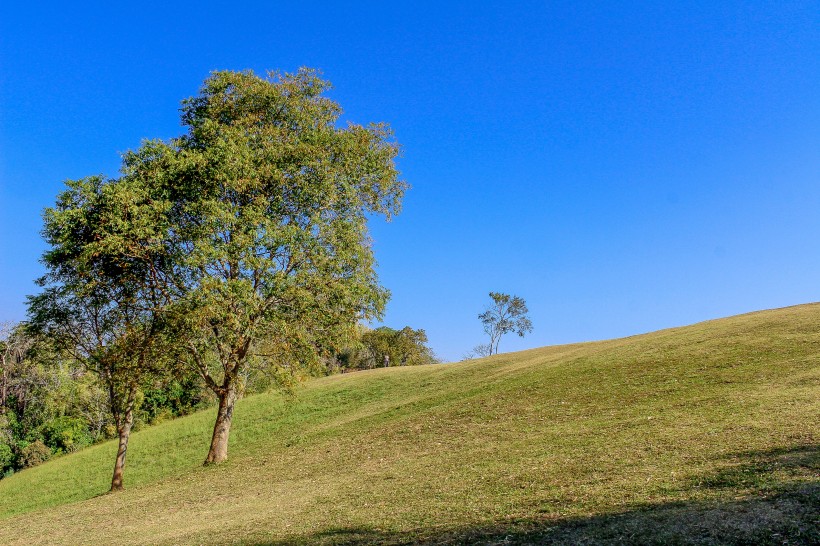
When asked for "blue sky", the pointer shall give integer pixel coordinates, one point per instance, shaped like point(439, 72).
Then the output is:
point(623, 168)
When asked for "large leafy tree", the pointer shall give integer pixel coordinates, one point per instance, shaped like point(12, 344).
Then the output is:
point(97, 303)
point(265, 205)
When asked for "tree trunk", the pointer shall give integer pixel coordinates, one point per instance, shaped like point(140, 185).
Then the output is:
point(222, 427)
point(124, 432)
point(3, 390)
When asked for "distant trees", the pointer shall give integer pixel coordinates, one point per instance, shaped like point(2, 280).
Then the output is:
point(384, 347)
point(479, 351)
point(49, 402)
point(506, 314)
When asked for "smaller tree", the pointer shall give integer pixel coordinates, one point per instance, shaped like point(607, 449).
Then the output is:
point(14, 344)
point(506, 314)
point(96, 304)
point(479, 351)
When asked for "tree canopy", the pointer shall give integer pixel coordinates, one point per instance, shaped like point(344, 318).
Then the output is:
point(259, 241)
point(504, 315)
point(385, 346)
point(98, 303)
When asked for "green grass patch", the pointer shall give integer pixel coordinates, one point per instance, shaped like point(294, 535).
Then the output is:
point(705, 434)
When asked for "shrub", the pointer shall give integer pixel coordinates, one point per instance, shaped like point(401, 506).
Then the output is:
point(6, 457)
point(34, 453)
point(181, 396)
point(65, 434)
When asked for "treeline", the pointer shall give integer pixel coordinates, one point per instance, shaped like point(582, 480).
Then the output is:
point(50, 404)
point(384, 347)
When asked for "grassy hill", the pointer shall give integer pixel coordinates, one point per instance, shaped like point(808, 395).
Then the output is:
point(702, 434)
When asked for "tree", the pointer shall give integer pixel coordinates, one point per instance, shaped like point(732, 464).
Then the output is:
point(506, 314)
point(97, 304)
point(479, 351)
point(385, 346)
point(14, 344)
point(265, 201)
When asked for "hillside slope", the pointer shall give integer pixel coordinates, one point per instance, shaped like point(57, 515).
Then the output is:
point(702, 434)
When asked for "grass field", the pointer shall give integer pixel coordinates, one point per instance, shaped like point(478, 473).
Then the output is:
point(706, 434)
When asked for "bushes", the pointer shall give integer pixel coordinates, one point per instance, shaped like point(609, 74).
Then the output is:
point(24, 456)
point(6, 457)
point(33, 454)
point(174, 398)
point(66, 434)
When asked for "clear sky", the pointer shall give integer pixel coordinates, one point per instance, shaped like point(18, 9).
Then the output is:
point(623, 168)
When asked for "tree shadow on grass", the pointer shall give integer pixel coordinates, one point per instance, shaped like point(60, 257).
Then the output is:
point(780, 505)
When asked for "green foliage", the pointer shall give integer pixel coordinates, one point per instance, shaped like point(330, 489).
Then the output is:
point(48, 399)
point(10, 428)
point(65, 434)
point(7, 457)
point(34, 454)
point(268, 200)
point(171, 398)
point(385, 347)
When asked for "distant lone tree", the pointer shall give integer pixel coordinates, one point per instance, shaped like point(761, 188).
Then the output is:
point(506, 314)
